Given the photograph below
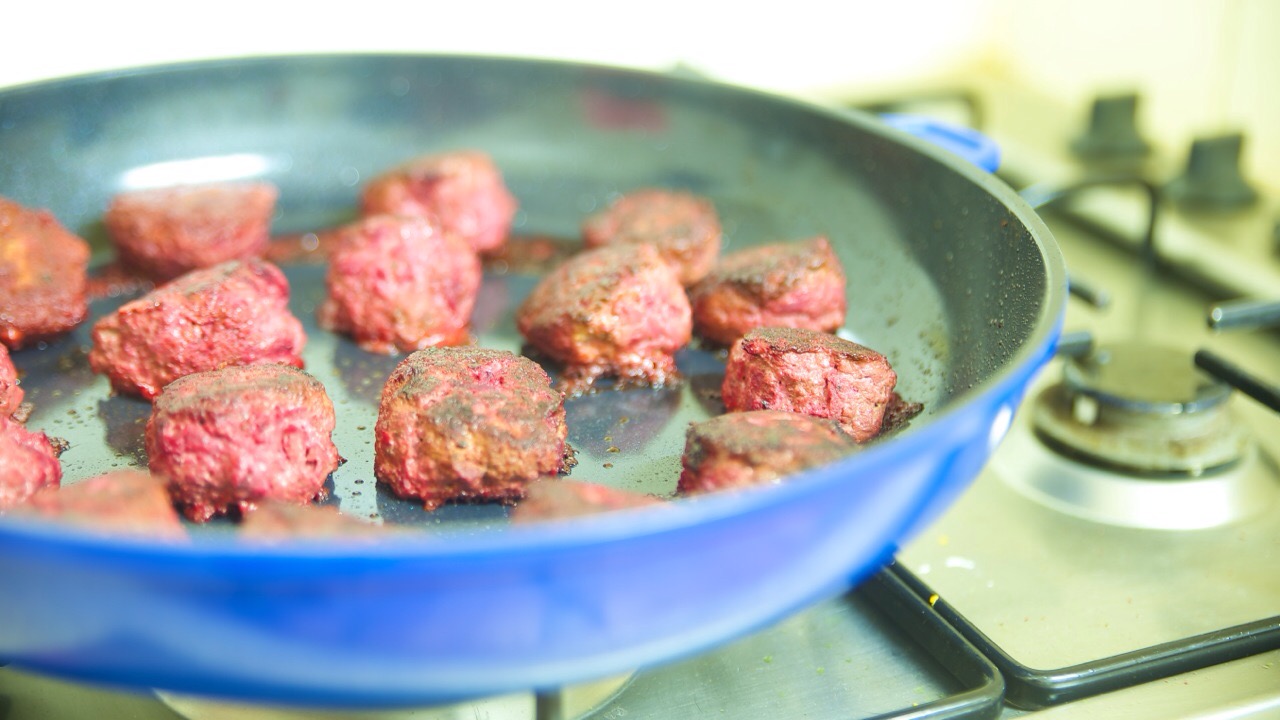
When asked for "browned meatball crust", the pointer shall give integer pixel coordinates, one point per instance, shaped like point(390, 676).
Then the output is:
point(400, 283)
point(553, 499)
point(683, 227)
point(28, 462)
point(756, 447)
point(120, 503)
point(232, 437)
point(616, 311)
point(810, 372)
point(42, 276)
point(791, 284)
point(235, 313)
point(462, 190)
point(10, 392)
point(165, 232)
point(467, 424)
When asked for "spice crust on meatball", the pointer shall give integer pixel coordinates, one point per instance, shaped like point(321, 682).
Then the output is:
point(790, 284)
point(468, 424)
point(235, 313)
point(463, 190)
point(229, 438)
point(615, 311)
point(742, 449)
point(813, 373)
point(682, 226)
point(400, 283)
point(42, 276)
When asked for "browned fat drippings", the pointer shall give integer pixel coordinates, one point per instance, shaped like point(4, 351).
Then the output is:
point(898, 414)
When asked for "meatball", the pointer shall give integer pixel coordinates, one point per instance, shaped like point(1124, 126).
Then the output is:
point(28, 462)
point(790, 284)
point(42, 276)
point(165, 232)
point(551, 499)
point(273, 521)
point(127, 502)
point(10, 391)
point(235, 313)
point(683, 227)
point(617, 311)
point(467, 424)
point(463, 190)
point(756, 447)
point(232, 437)
point(400, 283)
point(810, 372)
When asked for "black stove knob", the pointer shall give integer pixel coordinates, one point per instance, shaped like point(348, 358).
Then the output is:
point(1112, 133)
point(1212, 180)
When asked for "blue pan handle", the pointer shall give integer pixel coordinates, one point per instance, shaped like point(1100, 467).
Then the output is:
point(965, 142)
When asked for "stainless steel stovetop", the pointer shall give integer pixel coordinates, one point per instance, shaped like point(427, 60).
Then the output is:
point(1103, 596)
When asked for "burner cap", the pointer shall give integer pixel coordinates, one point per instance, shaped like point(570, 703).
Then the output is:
point(1140, 409)
point(1144, 378)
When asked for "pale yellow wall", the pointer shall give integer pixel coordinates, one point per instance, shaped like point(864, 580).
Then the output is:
point(1202, 67)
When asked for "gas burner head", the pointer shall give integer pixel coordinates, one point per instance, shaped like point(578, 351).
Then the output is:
point(1135, 436)
point(1142, 410)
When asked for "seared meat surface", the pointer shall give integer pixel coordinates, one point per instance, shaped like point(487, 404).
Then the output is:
point(235, 313)
point(755, 447)
point(467, 424)
point(462, 190)
point(616, 311)
point(400, 283)
point(683, 227)
point(790, 284)
point(275, 521)
point(10, 392)
point(165, 232)
point(42, 276)
point(552, 499)
point(119, 503)
point(813, 373)
point(232, 437)
point(28, 462)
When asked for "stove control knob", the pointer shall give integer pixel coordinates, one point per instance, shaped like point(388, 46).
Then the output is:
point(1212, 180)
point(1112, 133)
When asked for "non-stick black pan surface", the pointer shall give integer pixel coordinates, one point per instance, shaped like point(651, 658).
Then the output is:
point(950, 276)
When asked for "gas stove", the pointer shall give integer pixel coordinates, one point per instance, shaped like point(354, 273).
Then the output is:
point(1119, 557)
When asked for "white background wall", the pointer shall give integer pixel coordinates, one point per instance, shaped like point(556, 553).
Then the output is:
point(1203, 65)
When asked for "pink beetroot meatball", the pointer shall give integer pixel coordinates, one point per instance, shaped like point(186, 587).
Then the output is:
point(127, 502)
point(165, 232)
point(741, 449)
point(28, 462)
point(555, 499)
point(10, 391)
point(616, 311)
point(791, 284)
point(683, 227)
point(400, 283)
point(463, 190)
point(813, 373)
point(42, 276)
point(232, 437)
point(235, 313)
point(467, 424)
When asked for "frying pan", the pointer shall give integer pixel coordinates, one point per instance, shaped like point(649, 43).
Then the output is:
point(950, 275)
